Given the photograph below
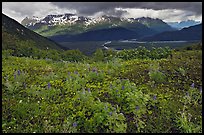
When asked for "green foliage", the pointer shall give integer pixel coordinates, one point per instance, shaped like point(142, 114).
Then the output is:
point(143, 53)
point(98, 55)
point(48, 91)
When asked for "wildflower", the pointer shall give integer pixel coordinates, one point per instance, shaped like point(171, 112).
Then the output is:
point(110, 113)
point(75, 72)
point(116, 90)
point(155, 97)
point(123, 87)
point(19, 72)
point(68, 73)
point(94, 70)
point(137, 108)
point(74, 124)
point(14, 76)
point(49, 85)
point(192, 85)
point(89, 90)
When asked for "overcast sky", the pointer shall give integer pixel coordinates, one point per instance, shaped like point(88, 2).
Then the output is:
point(167, 11)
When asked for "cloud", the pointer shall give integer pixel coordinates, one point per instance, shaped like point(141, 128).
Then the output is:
point(163, 10)
point(90, 8)
point(20, 10)
point(167, 15)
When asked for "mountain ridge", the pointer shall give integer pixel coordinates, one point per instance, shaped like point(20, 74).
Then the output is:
point(186, 34)
point(14, 31)
point(52, 25)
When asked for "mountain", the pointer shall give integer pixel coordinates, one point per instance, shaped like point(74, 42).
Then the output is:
point(13, 32)
point(72, 24)
point(154, 24)
point(185, 34)
point(183, 24)
point(116, 33)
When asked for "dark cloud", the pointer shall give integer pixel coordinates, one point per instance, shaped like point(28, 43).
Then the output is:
point(90, 8)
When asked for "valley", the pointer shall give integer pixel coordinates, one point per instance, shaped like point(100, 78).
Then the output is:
point(101, 68)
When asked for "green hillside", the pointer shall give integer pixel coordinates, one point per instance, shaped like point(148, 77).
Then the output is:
point(13, 33)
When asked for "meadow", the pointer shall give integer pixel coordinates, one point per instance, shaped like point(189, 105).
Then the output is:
point(131, 91)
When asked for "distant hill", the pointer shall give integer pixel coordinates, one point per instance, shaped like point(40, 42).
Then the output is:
point(183, 24)
point(116, 33)
point(186, 34)
point(13, 32)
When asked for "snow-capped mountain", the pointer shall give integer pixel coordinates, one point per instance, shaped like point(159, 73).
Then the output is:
point(74, 24)
point(52, 20)
point(183, 24)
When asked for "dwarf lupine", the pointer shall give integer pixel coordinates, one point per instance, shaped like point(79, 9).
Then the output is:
point(155, 97)
point(18, 72)
point(192, 85)
point(75, 72)
point(89, 90)
point(137, 108)
point(110, 113)
point(49, 85)
point(123, 87)
point(74, 124)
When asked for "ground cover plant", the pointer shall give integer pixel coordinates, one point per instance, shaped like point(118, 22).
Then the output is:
point(129, 91)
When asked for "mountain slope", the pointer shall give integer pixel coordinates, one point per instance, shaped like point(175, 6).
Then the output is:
point(116, 33)
point(72, 24)
point(187, 34)
point(155, 24)
point(13, 32)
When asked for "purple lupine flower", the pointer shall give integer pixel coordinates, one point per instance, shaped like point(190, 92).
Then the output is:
point(94, 70)
point(137, 108)
point(123, 87)
point(110, 113)
point(192, 85)
point(19, 72)
point(68, 73)
point(49, 85)
point(75, 72)
point(89, 90)
point(155, 97)
point(74, 124)
point(14, 76)
point(116, 90)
